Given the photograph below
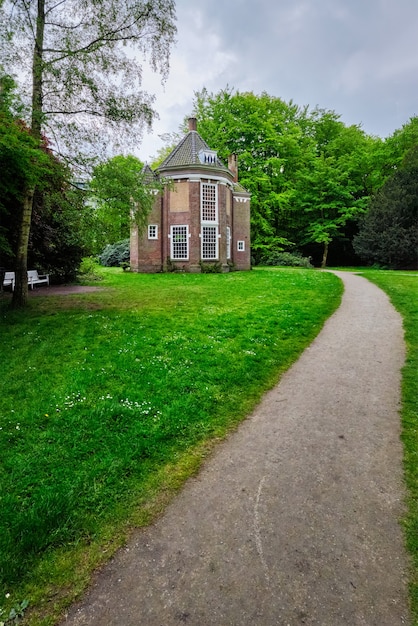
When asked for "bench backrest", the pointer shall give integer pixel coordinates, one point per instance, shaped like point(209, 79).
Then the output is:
point(9, 276)
point(33, 275)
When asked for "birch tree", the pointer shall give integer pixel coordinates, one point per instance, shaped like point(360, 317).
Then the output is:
point(81, 63)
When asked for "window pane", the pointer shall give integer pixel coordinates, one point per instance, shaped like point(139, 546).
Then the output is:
point(153, 231)
point(179, 242)
point(209, 242)
point(209, 213)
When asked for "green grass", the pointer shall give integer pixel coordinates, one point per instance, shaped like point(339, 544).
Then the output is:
point(402, 289)
point(110, 400)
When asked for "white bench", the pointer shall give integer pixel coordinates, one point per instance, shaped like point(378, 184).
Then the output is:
point(33, 279)
point(9, 280)
point(37, 279)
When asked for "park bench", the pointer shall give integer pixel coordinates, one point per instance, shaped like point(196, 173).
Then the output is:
point(33, 279)
point(9, 280)
point(37, 279)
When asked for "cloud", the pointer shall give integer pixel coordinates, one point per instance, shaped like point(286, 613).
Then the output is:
point(359, 58)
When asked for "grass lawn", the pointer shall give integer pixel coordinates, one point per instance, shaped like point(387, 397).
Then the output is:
point(110, 400)
point(402, 288)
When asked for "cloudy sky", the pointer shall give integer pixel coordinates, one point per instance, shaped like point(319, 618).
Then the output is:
point(356, 57)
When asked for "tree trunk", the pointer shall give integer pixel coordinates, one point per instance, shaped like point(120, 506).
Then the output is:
point(20, 294)
point(325, 255)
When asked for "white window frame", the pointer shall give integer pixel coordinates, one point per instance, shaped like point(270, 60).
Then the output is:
point(205, 203)
point(204, 243)
point(179, 230)
point(241, 245)
point(152, 231)
point(228, 242)
point(209, 216)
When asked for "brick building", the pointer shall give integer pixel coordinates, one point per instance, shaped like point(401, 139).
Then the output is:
point(202, 217)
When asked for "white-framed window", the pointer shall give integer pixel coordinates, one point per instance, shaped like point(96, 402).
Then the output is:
point(228, 242)
point(179, 243)
point(152, 231)
point(209, 242)
point(208, 157)
point(209, 221)
point(209, 203)
point(241, 246)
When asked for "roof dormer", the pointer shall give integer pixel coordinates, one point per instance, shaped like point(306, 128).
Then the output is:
point(208, 157)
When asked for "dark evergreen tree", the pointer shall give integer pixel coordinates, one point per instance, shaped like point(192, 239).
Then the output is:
point(388, 233)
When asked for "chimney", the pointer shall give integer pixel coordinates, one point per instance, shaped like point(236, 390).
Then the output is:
point(233, 166)
point(192, 123)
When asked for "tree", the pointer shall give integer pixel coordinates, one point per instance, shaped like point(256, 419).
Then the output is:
point(388, 233)
point(61, 226)
point(267, 136)
point(333, 190)
point(57, 239)
point(22, 164)
point(309, 174)
point(123, 192)
point(85, 76)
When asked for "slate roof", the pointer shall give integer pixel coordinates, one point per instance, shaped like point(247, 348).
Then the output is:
point(148, 175)
point(187, 153)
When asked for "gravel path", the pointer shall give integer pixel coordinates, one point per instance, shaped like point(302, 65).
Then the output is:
point(294, 519)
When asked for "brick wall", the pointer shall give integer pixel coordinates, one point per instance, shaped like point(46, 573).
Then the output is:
point(146, 253)
point(180, 205)
point(241, 232)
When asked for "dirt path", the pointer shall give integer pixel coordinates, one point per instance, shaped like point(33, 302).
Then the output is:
point(294, 520)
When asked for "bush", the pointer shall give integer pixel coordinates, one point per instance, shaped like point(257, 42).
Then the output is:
point(88, 269)
point(115, 254)
point(286, 259)
point(210, 268)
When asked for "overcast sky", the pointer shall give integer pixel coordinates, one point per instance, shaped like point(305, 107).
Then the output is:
point(356, 57)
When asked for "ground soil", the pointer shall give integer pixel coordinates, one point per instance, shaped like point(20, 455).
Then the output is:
point(56, 290)
point(295, 517)
point(62, 290)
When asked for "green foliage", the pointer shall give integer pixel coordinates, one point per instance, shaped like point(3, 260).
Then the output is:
point(14, 615)
point(56, 241)
point(59, 235)
point(114, 255)
point(123, 192)
point(309, 174)
point(119, 384)
point(333, 190)
point(286, 259)
point(21, 164)
point(388, 233)
point(82, 66)
point(210, 268)
point(79, 68)
point(89, 270)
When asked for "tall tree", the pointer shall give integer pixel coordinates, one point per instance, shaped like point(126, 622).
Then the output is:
point(388, 232)
point(22, 164)
point(57, 239)
point(334, 188)
point(309, 175)
point(267, 135)
point(85, 75)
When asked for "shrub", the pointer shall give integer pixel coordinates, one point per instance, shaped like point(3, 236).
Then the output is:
point(210, 268)
point(286, 259)
point(115, 254)
point(88, 269)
